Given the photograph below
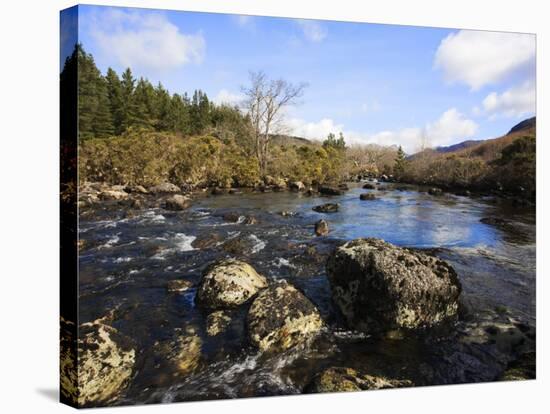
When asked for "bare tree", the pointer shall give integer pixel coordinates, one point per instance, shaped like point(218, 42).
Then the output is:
point(265, 103)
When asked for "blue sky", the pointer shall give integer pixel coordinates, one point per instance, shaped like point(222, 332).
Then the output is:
point(376, 83)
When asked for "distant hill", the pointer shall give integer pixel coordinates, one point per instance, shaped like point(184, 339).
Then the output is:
point(524, 125)
point(289, 140)
point(459, 146)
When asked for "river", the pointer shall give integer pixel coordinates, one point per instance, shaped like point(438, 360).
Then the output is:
point(131, 254)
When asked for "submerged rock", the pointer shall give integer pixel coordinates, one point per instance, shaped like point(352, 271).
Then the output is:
point(217, 322)
point(165, 188)
point(326, 190)
point(368, 186)
point(282, 317)
point(327, 208)
point(177, 202)
point(339, 379)
point(229, 283)
point(435, 191)
point(182, 352)
point(523, 368)
point(179, 285)
point(381, 287)
point(321, 228)
point(367, 196)
point(105, 364)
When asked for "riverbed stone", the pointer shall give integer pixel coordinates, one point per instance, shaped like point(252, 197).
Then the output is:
point(297, 186)
point(105, 364)
point(379, 287)
point(177, 202)
point(179, 285)
point(368, 186)
point(165, 188)
point(217, 322)
point(330, 190)
point(327, 208)
point(321, 228)
point(113, 195)
point(367, 196)
point(229, 283)
point(340, 379)
point(182, 352)
point(281, 317)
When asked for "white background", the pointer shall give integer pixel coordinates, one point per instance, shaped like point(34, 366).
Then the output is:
point(29, 204)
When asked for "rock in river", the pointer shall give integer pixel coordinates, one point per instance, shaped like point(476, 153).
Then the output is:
point(217, 322)
point(326, 190)
point(229, 283)
point(367, 196)
point(297, 186)
point(369, 186)
point(105, 364)
point(113, 195)
point(177, 202)
point(321, 228)
point(282, 317)
point(179, 285)
point(327, 208)
point(379, 287)
point(165, 188)
point(182, 352)
point(347, 379)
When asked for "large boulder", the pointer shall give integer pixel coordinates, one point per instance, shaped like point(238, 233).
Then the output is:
point(282, 317)
point(347, 379)
point(177, 202)
point(165, 188)
point(380, 287)
point(327, 208)
point(105, 364)
point(229, 283)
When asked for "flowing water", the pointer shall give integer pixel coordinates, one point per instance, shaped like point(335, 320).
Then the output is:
point(130, 255)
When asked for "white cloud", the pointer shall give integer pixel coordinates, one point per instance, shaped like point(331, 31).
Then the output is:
point(450, 128)
point(478, 58)
point(226, 97)
point(148, 40)
point(514, 102)
point(314, 130)
point(313, 30)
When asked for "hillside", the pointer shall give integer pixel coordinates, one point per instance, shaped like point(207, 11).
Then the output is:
point(504, 164)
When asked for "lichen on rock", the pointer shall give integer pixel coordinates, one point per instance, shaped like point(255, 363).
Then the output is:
point(229, 283)
point(379, 287)
point(338, 379)
point(105, 364)
point(282, 317)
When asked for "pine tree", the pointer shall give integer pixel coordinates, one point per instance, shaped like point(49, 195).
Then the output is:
point(114, 93)
point(94, 115)
point(128, 109)
point(400, 163)
point(199, 112)
point(103, 126)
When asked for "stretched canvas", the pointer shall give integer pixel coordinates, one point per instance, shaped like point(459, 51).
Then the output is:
point(256, 206)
